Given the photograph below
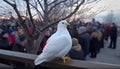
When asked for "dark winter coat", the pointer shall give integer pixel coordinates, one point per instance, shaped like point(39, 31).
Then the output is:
point(76, 51)
point(18, 47)
point(78, 55)
point(4, 43)
point(113, 33)
point(94, 45)
point(84, 41)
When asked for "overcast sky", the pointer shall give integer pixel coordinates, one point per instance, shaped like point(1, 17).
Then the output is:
point(113, 5)
point(109, 4)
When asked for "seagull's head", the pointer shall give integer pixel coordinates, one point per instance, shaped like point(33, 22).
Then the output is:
point(63, 23)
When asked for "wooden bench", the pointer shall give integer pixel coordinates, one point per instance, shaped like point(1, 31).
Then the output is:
point(72, 64)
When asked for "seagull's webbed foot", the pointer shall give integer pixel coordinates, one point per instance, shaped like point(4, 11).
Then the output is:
point(63, 59)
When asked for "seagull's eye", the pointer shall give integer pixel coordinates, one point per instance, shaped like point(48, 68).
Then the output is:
point(62, 22)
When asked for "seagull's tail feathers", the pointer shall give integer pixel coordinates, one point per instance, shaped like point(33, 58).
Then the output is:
point(40, 59)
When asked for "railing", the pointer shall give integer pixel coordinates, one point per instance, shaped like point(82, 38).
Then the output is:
point(72, 64)
point(3, 66)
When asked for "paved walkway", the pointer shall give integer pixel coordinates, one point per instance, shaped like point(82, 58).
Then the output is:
point(108, 55)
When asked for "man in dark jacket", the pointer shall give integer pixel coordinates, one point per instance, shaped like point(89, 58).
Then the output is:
point(4, 43)
point(20, 45)
point(84, 40)
point(113, 36)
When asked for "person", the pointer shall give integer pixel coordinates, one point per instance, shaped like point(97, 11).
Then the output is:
point(95, 43)
point(11, 36)
point(76, 51)
point(4, 26)
point(54, 29)
point(43, 43)
point(73, 31)
point(102, 30)
point(20, 46)
point(4, 43)
point(113, 36)
point(107, 34)
point(20, 31)
point(84, 40)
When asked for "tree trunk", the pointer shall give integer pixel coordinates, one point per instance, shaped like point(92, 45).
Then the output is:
point(30, 44)
point(46, 18)
point(37, 43)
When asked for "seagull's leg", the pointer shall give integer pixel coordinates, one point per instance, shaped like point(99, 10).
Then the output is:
point(65, 58)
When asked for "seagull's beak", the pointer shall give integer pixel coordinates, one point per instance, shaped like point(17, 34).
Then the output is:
point(67, 24)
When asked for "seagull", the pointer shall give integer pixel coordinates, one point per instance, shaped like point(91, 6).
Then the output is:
point(58, 45)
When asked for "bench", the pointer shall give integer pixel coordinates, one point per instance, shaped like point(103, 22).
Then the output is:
point(72, 64)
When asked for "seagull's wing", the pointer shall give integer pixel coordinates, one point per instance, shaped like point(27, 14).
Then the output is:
point(52, 48)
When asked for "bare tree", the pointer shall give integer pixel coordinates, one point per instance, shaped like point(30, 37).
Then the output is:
point(88, 10)
point(49, 12)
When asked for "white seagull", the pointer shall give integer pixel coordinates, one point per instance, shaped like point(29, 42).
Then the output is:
point(58, 45)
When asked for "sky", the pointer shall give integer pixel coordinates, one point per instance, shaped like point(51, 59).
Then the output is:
point(113, 5)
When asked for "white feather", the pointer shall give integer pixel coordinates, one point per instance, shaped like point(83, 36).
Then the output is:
point(58, 45)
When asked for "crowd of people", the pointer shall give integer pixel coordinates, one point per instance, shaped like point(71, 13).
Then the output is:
point(12, 38)
point(91, 37)
point(87, 38)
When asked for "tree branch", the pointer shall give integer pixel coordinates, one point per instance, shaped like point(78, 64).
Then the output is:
point(56, 5)
point(37, 10)
point(52, 23)
point(55, 12)
point(93, 1)
point(41, 6)
point(76, 9)
point(21, 21)
point(9, 3)
point(52, 2)
point(29, 12)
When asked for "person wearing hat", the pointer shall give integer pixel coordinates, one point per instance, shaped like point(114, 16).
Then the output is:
point(84, 40)
point(4, 43)
point(11, 36)
point(76, 51)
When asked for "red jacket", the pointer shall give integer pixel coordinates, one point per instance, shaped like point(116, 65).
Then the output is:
point(11, 39)
point(108, 30)
point(44, 43)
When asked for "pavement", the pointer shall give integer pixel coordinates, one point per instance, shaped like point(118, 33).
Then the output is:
point(108, 55)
